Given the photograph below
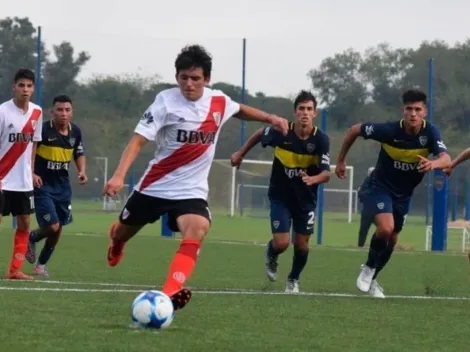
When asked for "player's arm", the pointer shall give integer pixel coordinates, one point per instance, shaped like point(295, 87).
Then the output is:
point(146, 130)
point(324, 165)
point(376, 131)
point(80, 159)
point(37, 138)
point(267, 136)
point(439, 149)
point(249, 113)
point(463, 156)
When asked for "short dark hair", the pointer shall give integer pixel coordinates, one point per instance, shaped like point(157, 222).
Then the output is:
point(24, 73)
point(61, 99)
point(194, 56)
point(303, 97)
point(414, 96)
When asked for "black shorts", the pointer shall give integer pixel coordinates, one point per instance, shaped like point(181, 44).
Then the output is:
point(16, 203)
point(141, 209)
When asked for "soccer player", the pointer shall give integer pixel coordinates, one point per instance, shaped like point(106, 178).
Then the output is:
point(366, 220)
point(20, 130)
point(184, 123)
point(301, 163)
point(463, 156)
point(401, 164)
point(61, 142)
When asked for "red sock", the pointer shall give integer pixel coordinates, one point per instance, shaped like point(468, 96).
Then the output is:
point(20, 247)
point(182, 266)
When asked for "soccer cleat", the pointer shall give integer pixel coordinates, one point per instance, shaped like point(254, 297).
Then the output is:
point(41, 270)
point(292, 286)
point(271, 268)
point(18, 275)
point(376, 290)
point(364, 280)
point(31, 253)
point(113, 257)
point(180, 299)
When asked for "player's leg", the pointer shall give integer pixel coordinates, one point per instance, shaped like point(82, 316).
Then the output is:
point(63, 216)
point(22, 206)
point(47, 219)
point(280, 218)
point(379, 205)
point(303, 223)
point(400, 211)
point(192, 219)
point(366, 222)
point(138, 211)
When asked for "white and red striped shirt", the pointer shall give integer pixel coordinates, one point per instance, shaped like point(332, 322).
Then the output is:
point(186, 134)
point(18, 131)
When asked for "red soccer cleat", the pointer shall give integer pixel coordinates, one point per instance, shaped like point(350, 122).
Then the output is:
point(115, 253)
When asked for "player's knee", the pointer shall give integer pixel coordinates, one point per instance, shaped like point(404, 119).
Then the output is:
point(282, 241)
point(394, 239)
point(385, 230)
point(196, 233)
point(301, 242)
point(54, 227)
point(23, 223)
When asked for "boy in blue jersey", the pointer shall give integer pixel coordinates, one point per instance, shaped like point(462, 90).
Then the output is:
point(401, 164)
point(301, 163)
point(61, 142)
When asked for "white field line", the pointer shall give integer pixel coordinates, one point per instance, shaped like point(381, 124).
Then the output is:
point(227, 292)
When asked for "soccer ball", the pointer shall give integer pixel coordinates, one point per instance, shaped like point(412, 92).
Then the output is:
point(152, 309)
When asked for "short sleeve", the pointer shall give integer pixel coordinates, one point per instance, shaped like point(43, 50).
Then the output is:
point(270, 137)
point(437, 145)
point(379, 132)
point(78, 150)
point(37, 137)
point(324, 154)
point(153, 119)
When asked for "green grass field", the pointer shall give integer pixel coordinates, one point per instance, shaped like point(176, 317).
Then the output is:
point(84, 305)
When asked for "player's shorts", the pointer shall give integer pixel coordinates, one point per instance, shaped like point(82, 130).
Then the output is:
point(377, 200)
point(141, 209)
point(16, 203)
point(53, 205)
point(284, 214)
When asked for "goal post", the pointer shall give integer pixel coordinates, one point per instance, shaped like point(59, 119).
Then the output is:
point(260, 187)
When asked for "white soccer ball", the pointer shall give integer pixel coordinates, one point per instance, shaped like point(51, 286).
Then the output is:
point(152, 309)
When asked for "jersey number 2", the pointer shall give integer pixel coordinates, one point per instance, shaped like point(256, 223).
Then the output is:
point(311, 218)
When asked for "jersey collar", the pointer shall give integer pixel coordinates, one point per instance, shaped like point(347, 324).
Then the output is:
point(402, 124)
point(314, 131)
point(52, 125)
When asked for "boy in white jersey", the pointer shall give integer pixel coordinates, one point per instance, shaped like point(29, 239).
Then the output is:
point(184, 123)
point(20, 130)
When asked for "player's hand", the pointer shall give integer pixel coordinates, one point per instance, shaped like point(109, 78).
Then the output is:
point(340, 170)
point(82, 178)
point(425, 165)
point(37, 181)
point(113, 186)
point(236, 159)
point(308, 180)
point(279, 124)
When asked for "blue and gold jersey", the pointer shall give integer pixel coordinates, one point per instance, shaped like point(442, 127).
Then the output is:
point(397, 164)
point(293, 155)
point(55, 152)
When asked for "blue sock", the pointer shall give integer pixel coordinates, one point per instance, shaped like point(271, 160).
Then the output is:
point(45, 255)
point(298, 263)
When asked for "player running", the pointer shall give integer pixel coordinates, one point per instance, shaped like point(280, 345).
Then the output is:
point(366, 220)
point(463, 156)
point(401, 164)
point(61, 142)
point(20, 130)
point(185, 123)
point(301, 163)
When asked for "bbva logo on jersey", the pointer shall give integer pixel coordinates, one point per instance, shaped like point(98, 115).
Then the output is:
point(20, 137)
point(196, 137)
